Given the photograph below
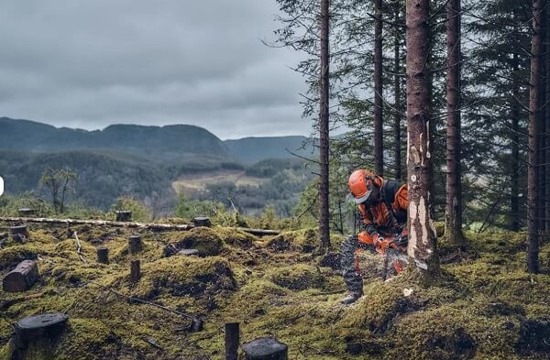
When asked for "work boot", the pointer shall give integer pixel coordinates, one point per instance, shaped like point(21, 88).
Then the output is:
point(352, 297)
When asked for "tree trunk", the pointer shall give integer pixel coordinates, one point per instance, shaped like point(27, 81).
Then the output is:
point(547, 121)
point(378, 103)
point(534, 115)
point(324, 230)
point(422, 235)
point(453, 213)
point(514, 178)
point(397, 104)
point(542, 129)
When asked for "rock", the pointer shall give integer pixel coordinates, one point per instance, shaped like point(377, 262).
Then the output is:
point(22, 277)
point(265, 349)
point(189, 252)
point(534, 337)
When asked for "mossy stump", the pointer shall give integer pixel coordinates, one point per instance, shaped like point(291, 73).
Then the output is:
point(35, 329)
point(19, 233)
point(123, 216)
point(135, 244)
point(103, 256)
point(21, 278)
point(265, 349)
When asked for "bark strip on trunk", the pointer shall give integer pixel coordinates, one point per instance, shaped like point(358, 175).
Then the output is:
point(422, 235)
point(397, 104)
point(514, 176)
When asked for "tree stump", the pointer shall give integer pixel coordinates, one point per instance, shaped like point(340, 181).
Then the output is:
point(19, 233)
point(135, 271)
point(202, 221)
point(103, 256)
point(26, 212)
point(231, 341)
point(22, 277)
point(135, 245)
point(34, 329)
point(265, 349)
point(123, 216)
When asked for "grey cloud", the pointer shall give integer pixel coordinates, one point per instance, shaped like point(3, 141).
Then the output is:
point(92, 63)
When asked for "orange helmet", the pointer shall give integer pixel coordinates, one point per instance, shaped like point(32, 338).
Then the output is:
point(361, 182)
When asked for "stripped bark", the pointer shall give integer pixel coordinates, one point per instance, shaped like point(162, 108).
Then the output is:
point(453, 210)
point(378, 103)
point(422, 235)
point(324, 217)
point(534, 148)
point(397, 101)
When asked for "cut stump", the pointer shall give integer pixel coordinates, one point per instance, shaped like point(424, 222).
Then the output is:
point(19, 233)
point(265, 349)
point(135, 271)
point(135, 245)
point(21, 278)
point(34, 329)
point(103, 256)
point(202, 221)
point(231, 341)
point(123, 216)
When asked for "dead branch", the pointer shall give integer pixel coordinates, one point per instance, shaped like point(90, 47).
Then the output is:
point(79, 248)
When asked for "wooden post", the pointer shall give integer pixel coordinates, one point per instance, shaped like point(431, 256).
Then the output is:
point(35, 328)
point(19, 233)
point(231, 341)
point(135, 271)
point(265, 349)
point(202, 221)
point(135, 244)
point(103, 256)
point(22, 277)
point(123, 216)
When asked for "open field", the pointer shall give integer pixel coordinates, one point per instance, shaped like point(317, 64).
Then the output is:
point(198, 182)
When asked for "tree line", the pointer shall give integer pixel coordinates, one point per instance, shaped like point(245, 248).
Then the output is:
point(450, 96)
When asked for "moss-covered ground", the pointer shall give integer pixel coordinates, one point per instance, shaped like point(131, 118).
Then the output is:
point(485, 306)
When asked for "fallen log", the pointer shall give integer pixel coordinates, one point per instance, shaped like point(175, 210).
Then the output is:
point(146, 226)
point(21, 278)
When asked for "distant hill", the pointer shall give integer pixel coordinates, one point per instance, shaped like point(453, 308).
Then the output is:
point(101, 177)
point(167, 143)
point(253, 149)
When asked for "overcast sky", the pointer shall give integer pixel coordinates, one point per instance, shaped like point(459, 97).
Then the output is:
point(92, 63)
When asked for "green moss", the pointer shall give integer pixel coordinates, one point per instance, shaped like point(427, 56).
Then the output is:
point(10, 257)
point(204, 239)
point(236, 237)
point(185, 276)
point(255, 298)
point(300, 240)
point(297, 277)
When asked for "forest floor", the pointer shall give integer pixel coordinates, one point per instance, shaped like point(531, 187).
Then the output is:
point(486, 305)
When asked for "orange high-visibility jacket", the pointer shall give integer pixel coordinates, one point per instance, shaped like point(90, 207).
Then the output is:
point(378, 216)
